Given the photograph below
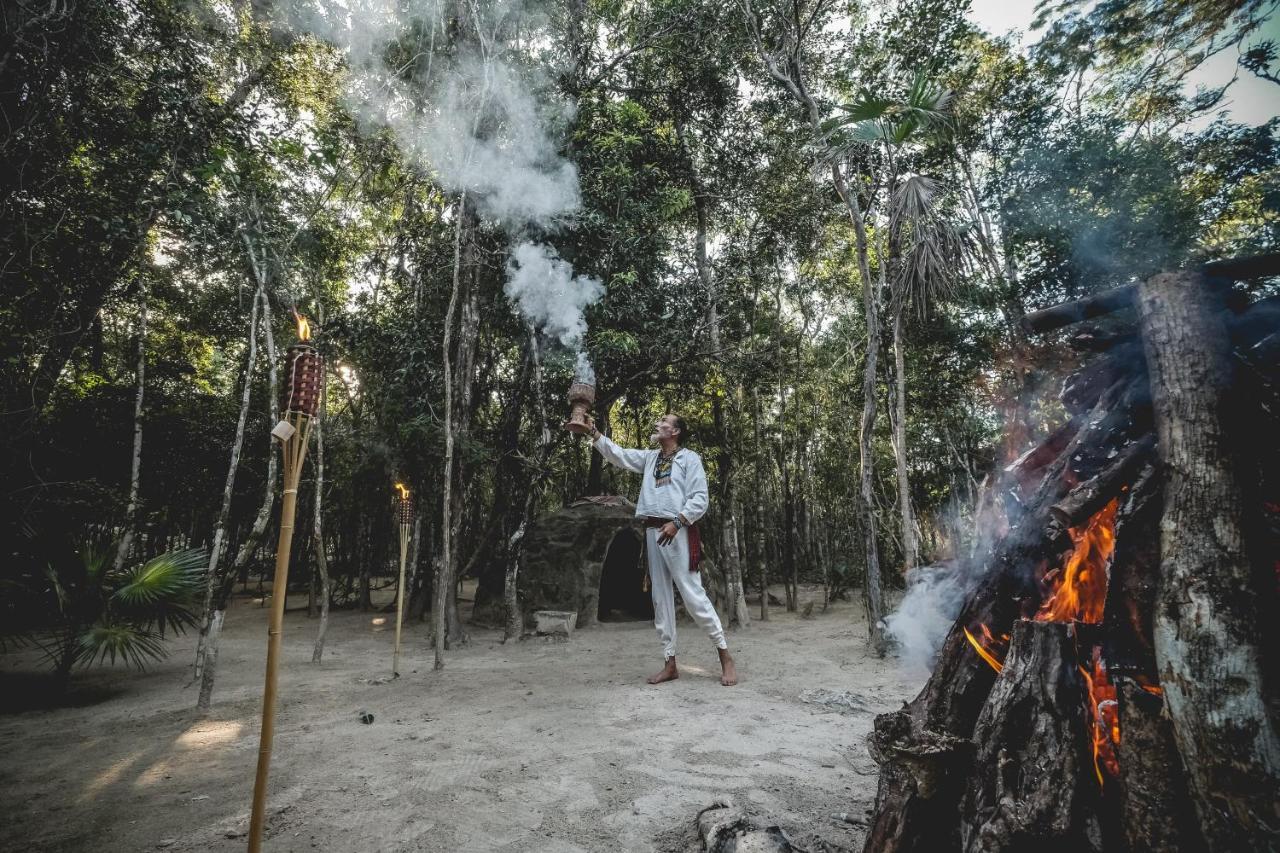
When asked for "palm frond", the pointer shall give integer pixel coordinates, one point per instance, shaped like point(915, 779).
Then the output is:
point(133, 645)
point(867, 107)
point(935, 251)
point(163, 591)
point(169, 578)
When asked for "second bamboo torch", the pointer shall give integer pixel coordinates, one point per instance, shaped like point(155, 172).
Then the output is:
point(404, 513)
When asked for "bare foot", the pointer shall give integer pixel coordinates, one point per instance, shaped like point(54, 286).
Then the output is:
point(729, 676)
point(668, 673)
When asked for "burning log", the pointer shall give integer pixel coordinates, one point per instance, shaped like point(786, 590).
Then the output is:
point(1033, 781)
point(1085, 500)
point(1127, 642)
point(1050, 732)
point(1156, 812)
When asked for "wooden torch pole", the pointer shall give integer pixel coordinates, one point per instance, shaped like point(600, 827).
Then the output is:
point(294, 432)
point(404, 553)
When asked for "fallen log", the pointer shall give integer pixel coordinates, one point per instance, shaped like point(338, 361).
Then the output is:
point(1066, 313)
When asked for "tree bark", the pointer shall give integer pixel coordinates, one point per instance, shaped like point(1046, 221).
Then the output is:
point(445, 570)
point(220, 528)
point(1206, 623)
point(135, 471)
point(209, 671)
point(910, 543)
point(317, 521)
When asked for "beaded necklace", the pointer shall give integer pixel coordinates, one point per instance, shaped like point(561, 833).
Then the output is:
point(662, 468)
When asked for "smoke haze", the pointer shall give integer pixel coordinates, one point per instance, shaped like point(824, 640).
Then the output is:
point(477, 119)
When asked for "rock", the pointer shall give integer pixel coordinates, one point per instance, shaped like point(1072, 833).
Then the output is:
point(725, 828)
point(555, 621)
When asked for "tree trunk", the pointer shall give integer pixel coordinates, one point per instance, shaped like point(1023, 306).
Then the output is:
point(135, 470)
point(445, 570)
point(872, 595)
point(910, 544)
point(762, 551)
point(220, 528)
point(223, 591)
point(1207, 620)
point(317, 520)
point(789, 74)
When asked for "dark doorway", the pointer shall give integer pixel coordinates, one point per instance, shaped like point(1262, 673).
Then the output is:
point(623, 597)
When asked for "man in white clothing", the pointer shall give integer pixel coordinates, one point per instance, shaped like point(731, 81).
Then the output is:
point(673, 496)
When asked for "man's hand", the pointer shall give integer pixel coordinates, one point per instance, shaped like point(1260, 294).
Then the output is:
point(667, 533)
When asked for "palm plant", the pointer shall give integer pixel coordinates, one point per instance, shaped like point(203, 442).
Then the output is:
point(105, 614)
point(920, 253)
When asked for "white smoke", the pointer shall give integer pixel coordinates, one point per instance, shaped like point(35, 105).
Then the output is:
point(552, 298)
point(931, 604)
point(477, 120)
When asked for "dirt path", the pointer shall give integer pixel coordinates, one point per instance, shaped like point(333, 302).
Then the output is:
point(538, 745)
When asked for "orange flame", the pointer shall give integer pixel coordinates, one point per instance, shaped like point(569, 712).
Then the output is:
point(404, 491)
point(1079, 591)
point(304, 328)
point(1106, 720)
point(996, 664)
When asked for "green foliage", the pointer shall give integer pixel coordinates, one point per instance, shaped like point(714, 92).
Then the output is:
point(106, 615)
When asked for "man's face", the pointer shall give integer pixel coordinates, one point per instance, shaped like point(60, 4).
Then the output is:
point(663, 429)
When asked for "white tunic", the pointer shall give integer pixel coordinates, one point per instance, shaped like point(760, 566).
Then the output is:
point(685, 495)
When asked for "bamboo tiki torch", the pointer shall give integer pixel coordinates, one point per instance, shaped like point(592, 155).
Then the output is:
point(305, 370)
point(404, 511)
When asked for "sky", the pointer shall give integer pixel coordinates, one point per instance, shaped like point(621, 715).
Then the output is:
point(1250, 100)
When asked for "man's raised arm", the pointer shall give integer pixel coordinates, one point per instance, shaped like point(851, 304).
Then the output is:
point(625, 458)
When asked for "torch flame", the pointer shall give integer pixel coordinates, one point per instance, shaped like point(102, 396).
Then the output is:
point(304, 328)
point(1080, 590)
point(404, 491)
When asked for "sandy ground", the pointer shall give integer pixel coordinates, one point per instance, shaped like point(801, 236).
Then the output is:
point(541, 745)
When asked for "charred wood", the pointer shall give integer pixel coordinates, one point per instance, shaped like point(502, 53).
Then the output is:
point(1156, 810)
point(1134, 578)
point(1033, 784)
point(1089, 497)
point(1110, 301)
point(1090, 339)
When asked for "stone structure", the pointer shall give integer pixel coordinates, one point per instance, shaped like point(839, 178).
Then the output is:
point(588, 558)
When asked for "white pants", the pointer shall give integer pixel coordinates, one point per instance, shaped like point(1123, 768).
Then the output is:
point(670, 564)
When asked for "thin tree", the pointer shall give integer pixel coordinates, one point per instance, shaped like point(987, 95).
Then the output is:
point(784, 62)
point(135, 468)
point(220, 527)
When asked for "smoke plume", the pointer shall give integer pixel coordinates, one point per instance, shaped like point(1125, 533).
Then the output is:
point(479, 118)
point(552, 298)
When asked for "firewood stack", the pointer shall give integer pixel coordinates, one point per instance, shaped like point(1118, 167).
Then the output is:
point(1072, 705)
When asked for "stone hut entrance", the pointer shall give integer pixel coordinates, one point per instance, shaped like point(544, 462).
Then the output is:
point(585, 558)
point(623, 596)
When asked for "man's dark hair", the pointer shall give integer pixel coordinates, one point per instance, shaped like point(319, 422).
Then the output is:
point(678, 423)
